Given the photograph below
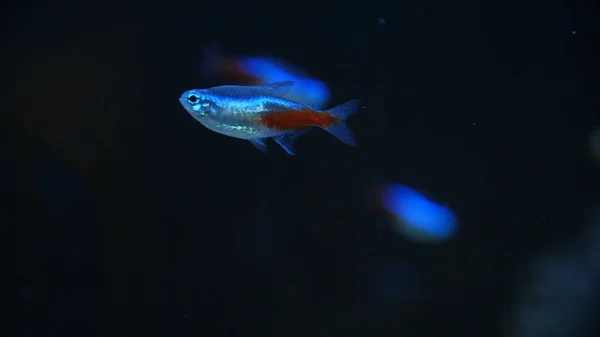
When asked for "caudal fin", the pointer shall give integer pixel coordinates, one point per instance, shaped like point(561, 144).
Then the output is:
point(341, 130)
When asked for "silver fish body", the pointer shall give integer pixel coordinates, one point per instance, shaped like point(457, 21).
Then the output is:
point(235, 110)
point(246, 112)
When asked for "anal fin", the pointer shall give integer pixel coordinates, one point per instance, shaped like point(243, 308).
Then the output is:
point(286, 140)
point(259, 143)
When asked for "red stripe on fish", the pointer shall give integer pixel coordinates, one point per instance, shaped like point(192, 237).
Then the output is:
point(293, 119)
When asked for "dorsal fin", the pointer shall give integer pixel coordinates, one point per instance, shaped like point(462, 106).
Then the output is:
point(278, 89)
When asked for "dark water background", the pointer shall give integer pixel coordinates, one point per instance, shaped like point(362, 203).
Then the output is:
point(127, 218)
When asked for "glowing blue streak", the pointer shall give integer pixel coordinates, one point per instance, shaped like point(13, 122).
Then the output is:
point(306, 90)
point(419, 212)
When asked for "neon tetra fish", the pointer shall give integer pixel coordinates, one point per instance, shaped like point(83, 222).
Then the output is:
point(259, 112)
point(255, 70)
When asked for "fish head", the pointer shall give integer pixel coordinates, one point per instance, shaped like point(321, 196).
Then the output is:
point(197, 103)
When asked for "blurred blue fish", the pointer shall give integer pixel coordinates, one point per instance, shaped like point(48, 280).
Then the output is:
point(254, 71)
point(419, 218)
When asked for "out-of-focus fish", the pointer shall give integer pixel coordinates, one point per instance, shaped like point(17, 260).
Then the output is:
point(416, 216)
point(258, 112)
point(248, 70)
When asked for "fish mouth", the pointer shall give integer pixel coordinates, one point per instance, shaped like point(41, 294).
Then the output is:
point(184, 104)
point(187, 107)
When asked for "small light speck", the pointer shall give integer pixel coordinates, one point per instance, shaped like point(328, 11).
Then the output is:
point(381, 21)
point(473, 124)
point(574, 32)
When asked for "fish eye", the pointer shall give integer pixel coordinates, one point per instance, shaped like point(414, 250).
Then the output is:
point(192, 98)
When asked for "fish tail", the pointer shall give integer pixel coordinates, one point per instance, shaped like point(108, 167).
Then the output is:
point(341, 130)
